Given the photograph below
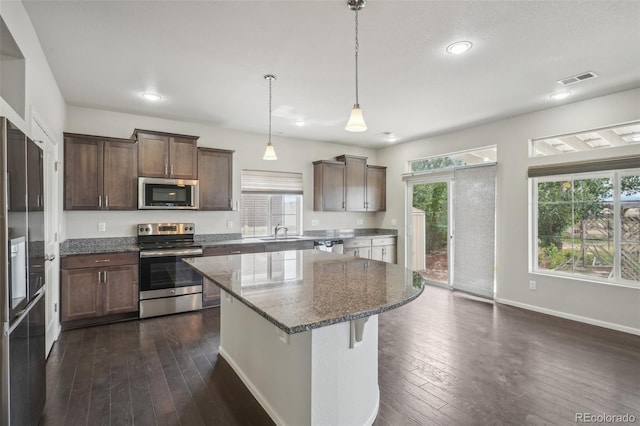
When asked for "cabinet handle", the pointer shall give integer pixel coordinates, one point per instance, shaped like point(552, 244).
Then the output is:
point(172, 170)
point(230, 203)
point(99, 277)
point(103, 261)
point(343, 204)
point(166, 167)
point(357, 253)
point(105, 277)
point(236, 252)
point(106, 201)
point(99, 200)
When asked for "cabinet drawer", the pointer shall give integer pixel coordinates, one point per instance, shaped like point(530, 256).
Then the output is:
point(234, 249)
point(357, 242)
point(99, 260)
point(289, 245)
point(387, 241)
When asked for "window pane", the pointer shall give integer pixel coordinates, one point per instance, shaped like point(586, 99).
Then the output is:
point(555, 225)
point(630, 227)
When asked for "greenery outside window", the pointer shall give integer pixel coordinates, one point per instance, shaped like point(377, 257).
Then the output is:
point(588, 224)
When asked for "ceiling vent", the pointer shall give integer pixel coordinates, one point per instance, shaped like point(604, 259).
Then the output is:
point(578, 78)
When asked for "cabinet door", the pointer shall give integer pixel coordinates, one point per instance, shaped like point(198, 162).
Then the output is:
point(81, 294)
point(82, 174)
point(215, 174)
point(377, 253)
point(183, 158)
point(210, 293)
point(329, 186)
point(376, 189)
point(120, 289)
point(153, 155)
point(384, 253)
point(120, 176)
point(356, 184)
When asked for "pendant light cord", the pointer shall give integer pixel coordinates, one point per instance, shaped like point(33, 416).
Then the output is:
point(357, 48)
point(270, 80)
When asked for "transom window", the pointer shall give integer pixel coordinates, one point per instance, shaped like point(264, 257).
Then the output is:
point(270, 199)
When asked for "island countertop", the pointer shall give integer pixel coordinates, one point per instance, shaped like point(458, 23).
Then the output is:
point(306, 289)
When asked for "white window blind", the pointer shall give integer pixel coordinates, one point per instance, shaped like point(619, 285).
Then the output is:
point(262, 181)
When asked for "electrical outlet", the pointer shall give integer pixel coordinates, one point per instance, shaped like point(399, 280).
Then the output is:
point(359, 222)
point(532, 285)
point(229, 224)
point(394, 222)
point(315, 222)
point(102, 226)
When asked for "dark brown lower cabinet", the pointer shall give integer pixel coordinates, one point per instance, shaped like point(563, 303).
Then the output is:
point(98, 288)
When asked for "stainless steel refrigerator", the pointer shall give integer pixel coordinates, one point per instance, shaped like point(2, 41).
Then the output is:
point(22, 298)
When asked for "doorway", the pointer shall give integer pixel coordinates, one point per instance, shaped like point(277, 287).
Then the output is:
point(431, 223)
point(51, 250)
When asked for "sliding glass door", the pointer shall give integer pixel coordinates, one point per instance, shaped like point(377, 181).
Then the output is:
point(430, 224)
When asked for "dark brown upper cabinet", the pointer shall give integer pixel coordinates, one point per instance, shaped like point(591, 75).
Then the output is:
point(166, 155)
point(349, 184)
point(376, 189)
point(100, 173)
point(356, 182)
point(329, 185)
point(215, 176)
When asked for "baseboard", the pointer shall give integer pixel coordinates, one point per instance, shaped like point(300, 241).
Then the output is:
point(586, 320)
point(249, 384)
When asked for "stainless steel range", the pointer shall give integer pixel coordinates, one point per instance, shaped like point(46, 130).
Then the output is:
point(167, 284)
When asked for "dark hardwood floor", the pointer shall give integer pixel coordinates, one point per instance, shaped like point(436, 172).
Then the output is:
point(444, 359)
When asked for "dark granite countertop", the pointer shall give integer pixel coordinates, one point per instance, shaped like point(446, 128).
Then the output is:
point(307, 289)
point(123, 244)
point(98, 245)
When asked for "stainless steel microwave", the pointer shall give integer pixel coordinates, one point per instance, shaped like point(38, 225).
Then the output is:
point(167, 194)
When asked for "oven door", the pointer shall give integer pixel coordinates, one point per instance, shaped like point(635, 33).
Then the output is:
point(163, 273)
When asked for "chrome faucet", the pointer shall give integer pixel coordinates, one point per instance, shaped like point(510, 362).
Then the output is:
point(278, 229)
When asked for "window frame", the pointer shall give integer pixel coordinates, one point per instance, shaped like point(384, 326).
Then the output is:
point(270, 225)
point(616, 178)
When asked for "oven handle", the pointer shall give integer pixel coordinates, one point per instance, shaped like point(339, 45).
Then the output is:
point(171, 252)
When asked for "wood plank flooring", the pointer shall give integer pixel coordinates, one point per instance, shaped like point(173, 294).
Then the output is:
point(444, 359)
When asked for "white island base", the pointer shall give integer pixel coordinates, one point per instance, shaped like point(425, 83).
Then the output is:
point(308, 378)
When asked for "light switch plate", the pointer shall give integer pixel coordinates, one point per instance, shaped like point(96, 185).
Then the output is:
point(359, 222)
point(394, 222)
point(102, 226)
point(229, 224)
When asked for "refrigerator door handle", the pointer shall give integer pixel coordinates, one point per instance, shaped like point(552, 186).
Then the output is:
point(23, 313)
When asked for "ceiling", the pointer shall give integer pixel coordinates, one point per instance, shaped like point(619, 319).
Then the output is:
point(207, 60)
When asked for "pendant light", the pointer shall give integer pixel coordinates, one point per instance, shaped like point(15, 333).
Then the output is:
point(356, 120)
point(269, 153)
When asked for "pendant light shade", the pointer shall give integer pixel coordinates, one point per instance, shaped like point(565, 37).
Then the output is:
point(356, 120)
point(270, 152)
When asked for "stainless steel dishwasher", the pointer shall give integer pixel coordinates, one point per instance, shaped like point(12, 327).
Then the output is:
point(333, 246)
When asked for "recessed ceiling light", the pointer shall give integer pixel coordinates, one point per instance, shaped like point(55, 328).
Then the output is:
point(559, 95)
point(151, 96)
point(300, 123)
point(459, 47)
point(388, 137)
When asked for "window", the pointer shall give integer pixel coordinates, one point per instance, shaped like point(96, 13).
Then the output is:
point(455, 160)
point(596, 139)
point(588, 224)
point(270, 199)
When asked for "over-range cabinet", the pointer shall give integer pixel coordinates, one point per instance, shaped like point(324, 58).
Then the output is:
point(22, 302)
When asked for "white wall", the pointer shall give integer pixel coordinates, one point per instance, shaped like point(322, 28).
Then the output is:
point(613, 306)
point(294, 155)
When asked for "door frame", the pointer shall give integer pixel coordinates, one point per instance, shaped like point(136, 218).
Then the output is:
point(50, 146)
point(429, 178)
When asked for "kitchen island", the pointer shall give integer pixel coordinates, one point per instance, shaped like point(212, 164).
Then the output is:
point(300, 328)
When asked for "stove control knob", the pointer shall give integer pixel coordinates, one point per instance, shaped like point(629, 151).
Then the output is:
point(147, 229)
point(141, 229)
